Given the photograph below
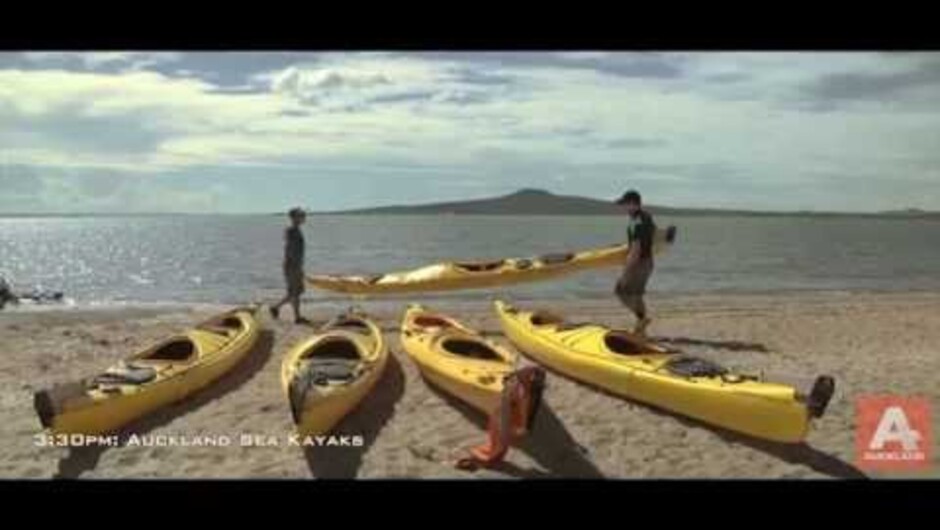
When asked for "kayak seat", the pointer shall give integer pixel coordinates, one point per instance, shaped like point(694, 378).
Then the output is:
point(322, 371)
point(334, 359)
point(523, 264)
point(315, 373)
point(622, 343)
point(688, 366)
point(556, 259)
point(374, 279)
point(471, 349)
point(127, 375)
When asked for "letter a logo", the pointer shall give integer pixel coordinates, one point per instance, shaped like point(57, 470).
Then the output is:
point(895, 428)
point(893, 433)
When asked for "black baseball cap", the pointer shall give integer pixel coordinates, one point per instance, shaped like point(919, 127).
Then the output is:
point(629, 196)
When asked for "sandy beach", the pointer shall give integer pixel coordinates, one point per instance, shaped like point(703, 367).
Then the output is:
point(871, 343)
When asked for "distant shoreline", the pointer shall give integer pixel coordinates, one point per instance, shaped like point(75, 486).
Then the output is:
point(529, 202)
point(670, 213)
point(523, 203)
point(730, 214)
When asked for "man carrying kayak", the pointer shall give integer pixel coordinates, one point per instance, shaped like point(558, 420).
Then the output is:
point(639, 264)
point(293, 265)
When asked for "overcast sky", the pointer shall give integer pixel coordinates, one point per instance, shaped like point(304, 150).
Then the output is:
point(243, 132)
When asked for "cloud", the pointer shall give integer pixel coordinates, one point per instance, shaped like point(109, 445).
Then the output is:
point(72, 127)
point(733, 123)
point(473, 76)
point(462, 97)
point(18, 181)
point(357, 84)
point(728, 77)
point(876, 86)
point(103, 60)
point(635, 143)
point(620, 64)
point(304, 83)
point(401, 97)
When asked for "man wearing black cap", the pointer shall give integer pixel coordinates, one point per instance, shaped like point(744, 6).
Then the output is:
point(293, 265)
point(639, 264)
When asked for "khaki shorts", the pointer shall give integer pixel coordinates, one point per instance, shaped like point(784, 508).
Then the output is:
point(632, 282)
point(295, 281)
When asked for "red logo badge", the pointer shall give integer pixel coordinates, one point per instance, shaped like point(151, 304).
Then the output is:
point(893, 433)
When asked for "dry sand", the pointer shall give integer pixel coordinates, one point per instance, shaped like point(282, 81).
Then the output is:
point(871, 343)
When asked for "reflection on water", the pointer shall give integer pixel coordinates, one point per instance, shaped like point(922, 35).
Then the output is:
point(229, 259)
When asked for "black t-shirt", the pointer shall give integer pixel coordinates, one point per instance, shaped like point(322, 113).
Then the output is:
point(640, 229)
point(293, 248)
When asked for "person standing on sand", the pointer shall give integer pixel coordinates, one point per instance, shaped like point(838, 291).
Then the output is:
point(631, 287)
point(293, 265)
point(6, 294)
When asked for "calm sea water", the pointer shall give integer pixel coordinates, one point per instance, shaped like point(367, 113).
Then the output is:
point(233, 259)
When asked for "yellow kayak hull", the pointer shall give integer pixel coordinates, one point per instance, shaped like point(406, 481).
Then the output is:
point(452, 275)
point(455, 358)
point(177, 367)
point(625, 365)
point(317, 402)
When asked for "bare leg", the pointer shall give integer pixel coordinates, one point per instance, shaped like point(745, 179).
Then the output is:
point(637, 306)
point(630, 290)
point(295, 303)
point(276, 308)
point(643, 320)
point(298, 319)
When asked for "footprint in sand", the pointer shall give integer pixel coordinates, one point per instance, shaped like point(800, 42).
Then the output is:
point(158, 452)
point(129, 460)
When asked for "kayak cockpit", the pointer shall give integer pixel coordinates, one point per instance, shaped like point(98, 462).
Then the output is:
point(556, 259)
point(623, 343)
point(332, 348)
point(226, 326)
point(322, 368)
point(470, 349)
point(487, 266)
point(353, 325)
point(179, 350)
point(544, 318)
point(431, 321)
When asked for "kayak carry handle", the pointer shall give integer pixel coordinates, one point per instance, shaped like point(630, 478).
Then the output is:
point(823, 389)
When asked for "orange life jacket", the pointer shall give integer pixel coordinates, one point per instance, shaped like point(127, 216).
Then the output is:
point(512, 420)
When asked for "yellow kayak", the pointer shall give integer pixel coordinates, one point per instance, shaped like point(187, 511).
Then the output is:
point(623, 364)
point(455, 275)
point(327, 375)
point(455, 358)
point(163, 374)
